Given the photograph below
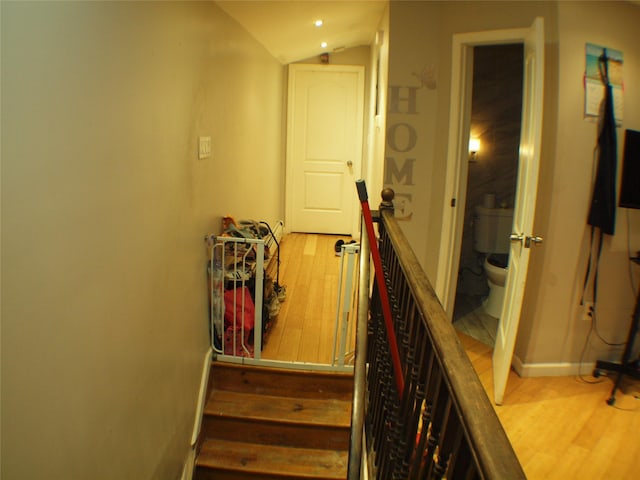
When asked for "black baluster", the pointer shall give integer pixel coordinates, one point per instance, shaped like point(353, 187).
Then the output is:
point(452, 446)
point(440, 409)
point(450, 439)
point(418, 352)
point(427, 407)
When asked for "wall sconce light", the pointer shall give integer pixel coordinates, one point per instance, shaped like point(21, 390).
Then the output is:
point(474, 148)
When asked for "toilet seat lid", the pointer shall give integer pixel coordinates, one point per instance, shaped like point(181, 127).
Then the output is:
point(499, 260)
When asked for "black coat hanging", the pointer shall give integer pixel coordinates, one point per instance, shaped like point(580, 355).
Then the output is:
point(602, 215)
point(603, 202)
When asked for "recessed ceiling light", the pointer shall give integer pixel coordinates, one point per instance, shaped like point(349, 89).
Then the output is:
point(323, 44)
point(319, 22)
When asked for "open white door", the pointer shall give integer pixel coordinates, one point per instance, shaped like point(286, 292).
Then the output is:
point(522, 238)
point(324, 147)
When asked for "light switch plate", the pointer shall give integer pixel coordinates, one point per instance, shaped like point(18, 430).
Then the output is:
point(204, 147)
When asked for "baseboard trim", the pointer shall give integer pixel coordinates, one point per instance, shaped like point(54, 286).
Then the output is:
point(187, 470)
point(202, 396)
point(558, 369)
point(189, 463)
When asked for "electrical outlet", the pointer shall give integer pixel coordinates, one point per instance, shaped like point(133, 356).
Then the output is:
point(587, 311)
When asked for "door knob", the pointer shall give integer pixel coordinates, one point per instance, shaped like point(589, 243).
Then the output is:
point(349, 163)
point(534, 239)
point(516, 237)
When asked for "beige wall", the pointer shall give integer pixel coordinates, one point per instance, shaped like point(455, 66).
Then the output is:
point(374, 58)
point(421, 34)
point(105, 204)
point(374, 171)
point(411, 122)
point(104, 209)
point(349, 56)
point(552, 329)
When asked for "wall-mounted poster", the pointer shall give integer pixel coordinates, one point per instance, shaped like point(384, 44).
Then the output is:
point(594, 86)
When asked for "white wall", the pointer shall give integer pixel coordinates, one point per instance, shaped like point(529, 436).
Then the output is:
point(104, 209)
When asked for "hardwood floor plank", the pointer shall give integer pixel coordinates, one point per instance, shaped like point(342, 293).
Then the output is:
point(569, 465)
point(561, 427)
point(328, 325)
point(310, 245)
point(304, 328)
point(312, 316)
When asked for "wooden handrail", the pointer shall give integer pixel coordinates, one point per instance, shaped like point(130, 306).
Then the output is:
point(442, 424)
point(360, 364)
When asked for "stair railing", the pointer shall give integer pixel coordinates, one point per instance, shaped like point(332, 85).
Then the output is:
point(360, 363)
point(442, 425)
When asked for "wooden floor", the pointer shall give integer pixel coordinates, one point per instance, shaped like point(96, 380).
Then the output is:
point(304, 328)
point(560, 427)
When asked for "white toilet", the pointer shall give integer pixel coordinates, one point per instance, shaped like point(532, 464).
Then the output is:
point(492, 228)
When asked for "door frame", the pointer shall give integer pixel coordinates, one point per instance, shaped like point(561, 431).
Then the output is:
point(358, 165)
point(457, 172)
point(457, 169)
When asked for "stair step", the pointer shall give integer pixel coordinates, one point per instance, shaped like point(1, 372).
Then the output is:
point(309, 411)
point(221, 459)
point(267, 419)
point(281, 382)
point(274, 424)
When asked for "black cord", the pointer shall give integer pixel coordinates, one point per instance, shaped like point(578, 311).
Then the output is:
point(595, 328)
point(634, 289)
point(582, 354)
point(592, 329)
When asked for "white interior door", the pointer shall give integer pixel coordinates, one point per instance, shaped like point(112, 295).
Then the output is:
point(324, 147)
point(522, 237)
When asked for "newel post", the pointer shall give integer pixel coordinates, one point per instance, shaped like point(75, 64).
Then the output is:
point(387, 200)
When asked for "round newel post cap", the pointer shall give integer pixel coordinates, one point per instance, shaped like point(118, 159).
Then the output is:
point(387, 199)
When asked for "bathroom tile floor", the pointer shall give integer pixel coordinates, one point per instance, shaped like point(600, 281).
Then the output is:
point(469, 317)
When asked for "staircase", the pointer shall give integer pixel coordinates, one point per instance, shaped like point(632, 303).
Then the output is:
point(272, 423)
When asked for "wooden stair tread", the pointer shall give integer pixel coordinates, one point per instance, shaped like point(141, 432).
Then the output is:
point(304, 411)
point(274, 424)
point(281, 382)
point(282, 462)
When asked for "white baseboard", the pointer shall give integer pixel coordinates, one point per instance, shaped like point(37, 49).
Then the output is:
point(559, 369)
point(279, 230)
point(202, 396)
point(364, 467)
point(187, 469)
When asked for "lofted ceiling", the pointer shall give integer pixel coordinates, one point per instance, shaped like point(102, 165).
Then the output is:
point(286, 27)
